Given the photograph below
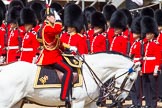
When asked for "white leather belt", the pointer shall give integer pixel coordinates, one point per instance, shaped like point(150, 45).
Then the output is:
point(145, 58)
point(26, 49)
point(12, 47)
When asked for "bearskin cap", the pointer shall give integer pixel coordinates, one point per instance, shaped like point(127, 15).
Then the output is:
point(147, 12)
point(158, 17)
point(28, 16)
point(136, 25)
point(149, 25)
point(73, 17)
point(118, 20)
point(128, 15)
point(56, 6)
point(108, 10)
point(3, 9)
point(88, 11)
point(1, 17)
point(14, 15)
point(37, 7)
point(98, 20)
point(16, 3)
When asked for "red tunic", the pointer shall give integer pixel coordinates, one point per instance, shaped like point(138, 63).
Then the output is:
point(135, 51)
point(152, 56)
point(159, 40)
point(51, 53)
point(118, 44)
point(129, 36)
point(97, 42)
point(13, 44)
point(75, 39)
point(110, 33)
point(2, 32)
point(30, 46)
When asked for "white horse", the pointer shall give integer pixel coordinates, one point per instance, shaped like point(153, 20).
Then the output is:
point(17, 79)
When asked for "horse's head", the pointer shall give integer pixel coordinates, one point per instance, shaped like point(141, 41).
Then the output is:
point(107, 65)
point(122, 82)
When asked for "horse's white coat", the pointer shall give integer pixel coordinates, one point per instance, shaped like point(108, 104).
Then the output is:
point(17, 82)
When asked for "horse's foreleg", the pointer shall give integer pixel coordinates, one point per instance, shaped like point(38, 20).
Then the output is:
point(78, 104)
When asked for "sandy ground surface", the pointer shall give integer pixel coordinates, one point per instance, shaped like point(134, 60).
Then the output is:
point(126, 104)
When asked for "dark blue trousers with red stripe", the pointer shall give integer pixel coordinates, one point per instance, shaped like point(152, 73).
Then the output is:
point(67, 78)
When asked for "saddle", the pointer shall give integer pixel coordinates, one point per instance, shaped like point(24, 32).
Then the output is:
point(48, 77)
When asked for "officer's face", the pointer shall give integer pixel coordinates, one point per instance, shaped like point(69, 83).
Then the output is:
point(149, 36)
point(51, 19)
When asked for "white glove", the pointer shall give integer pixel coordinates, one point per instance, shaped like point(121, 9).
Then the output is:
point(35, 59)
point(73, 48)
point(2, 59)
point(156, 70)
point(137, 66)
point(79, 57)
point(57, 17)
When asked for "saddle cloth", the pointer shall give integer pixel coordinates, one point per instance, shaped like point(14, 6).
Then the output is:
point(48, 78)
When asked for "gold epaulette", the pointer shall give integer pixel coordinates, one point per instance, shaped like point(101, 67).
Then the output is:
point(65, 45)
point(60, 23)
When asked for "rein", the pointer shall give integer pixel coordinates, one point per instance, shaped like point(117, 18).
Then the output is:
point(98, 81)
point(95, 77)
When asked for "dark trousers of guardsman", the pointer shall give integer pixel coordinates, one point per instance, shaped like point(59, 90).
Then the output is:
point(136, 92)
point(67, 78)
point(160, 86)
point(150, 89)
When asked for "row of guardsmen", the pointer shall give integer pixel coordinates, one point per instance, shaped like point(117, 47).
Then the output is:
point(23, 31)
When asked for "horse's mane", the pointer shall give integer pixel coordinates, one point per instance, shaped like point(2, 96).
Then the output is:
point(113, 52)
point(7, 63)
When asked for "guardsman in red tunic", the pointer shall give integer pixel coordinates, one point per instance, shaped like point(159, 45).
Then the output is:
point(151, 60)
point(37, 7)
point(119, 42)
point(127, 32)
point(51, 54)
point(136, 54)
point(14, 34)
point(30, 45)
point(98, 37)
point(108, 10)
point(73, 22)
point(2, 35)
point(88, 11)
point(158, 18)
